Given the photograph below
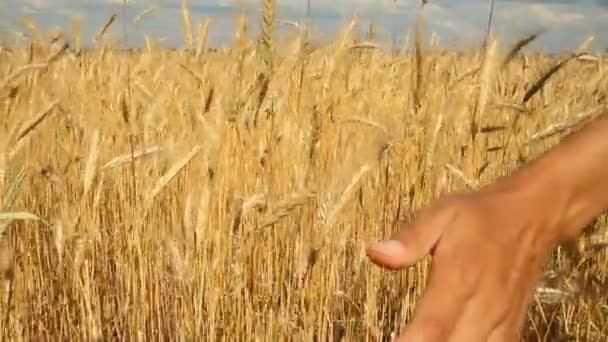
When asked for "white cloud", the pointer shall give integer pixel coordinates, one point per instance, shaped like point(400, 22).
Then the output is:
point(555, 15)
point(457, 20)
point(37, 4)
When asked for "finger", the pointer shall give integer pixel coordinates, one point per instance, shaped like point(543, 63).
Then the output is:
point(447, 295)
point(526, 279)
point(512, 329)
point(487, 310)
point(413, 242)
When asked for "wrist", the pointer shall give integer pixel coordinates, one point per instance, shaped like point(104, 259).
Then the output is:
point(566, 188)
point(551, 189)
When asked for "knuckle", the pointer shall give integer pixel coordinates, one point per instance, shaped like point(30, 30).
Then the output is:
point(463, 208)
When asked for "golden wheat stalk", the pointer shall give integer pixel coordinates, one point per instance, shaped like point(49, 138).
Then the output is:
point(337, 54)
point(28, 127)
point(289, 23)
point(188, 220)
point(59, 240)
point(549, 295)
point(202, 215)
point(512, 106)
point(3, 169)
point(471, 183)
point(172, 172)
point(332, 213)
point(91, 165)
point(469, 73)
point(540, 83)
point(54, 57)
point(584, 46)
point(419, 63)
point(203, 31)
point(106, 26)
point(76, 33)
point(241, 31)
point(178, 260)
point(366, 46)
point(267, 30)
point(187, 25)
point(19, 216)
point(128, 157)
point(486, 82)
point(148, 11)
point(588, 58)
point(575, 121)
point(15, 74)
point(283, 208)
point(193, 73)
point(520, 44)
point(143, 89)
point(433, 143)
point(367, 122)
point(98, 193)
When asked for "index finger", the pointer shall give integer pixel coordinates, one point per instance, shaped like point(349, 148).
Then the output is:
point(446, 296)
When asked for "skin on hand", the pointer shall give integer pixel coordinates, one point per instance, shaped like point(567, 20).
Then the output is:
point(488, 246)
point(487, 251)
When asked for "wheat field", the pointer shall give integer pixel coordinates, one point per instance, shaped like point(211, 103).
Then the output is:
point(228, 195)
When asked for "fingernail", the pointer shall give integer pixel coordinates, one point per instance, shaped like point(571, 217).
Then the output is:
point(390, 247)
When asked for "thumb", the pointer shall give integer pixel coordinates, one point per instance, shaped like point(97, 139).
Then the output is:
point(411, 245)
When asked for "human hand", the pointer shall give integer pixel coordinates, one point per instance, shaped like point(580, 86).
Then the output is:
point(488, 248)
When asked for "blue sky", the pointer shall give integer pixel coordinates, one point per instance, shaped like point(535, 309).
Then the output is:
point(457, 22)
